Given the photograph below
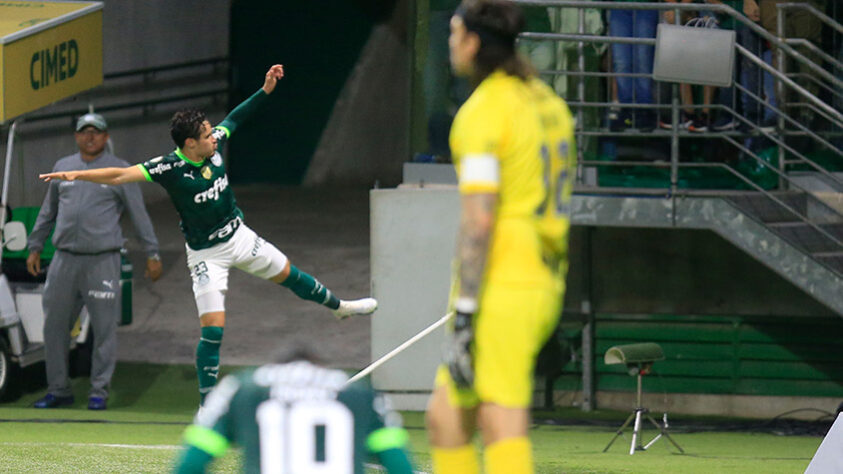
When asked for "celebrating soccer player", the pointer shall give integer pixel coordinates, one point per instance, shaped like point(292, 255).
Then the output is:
point(217, 238)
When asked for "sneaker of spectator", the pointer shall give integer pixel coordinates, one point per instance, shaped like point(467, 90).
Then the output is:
point(724, 123)
point(699, 123)
point(621, 122)
point(685, 121)
point(768, 125)
point(645, 120)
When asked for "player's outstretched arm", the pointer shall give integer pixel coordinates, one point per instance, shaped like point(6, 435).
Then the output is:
point(248, 106)
point(130, 174)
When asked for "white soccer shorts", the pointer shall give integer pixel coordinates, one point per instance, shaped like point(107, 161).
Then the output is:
point(244, 250)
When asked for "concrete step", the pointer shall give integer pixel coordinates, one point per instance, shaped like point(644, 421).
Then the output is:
point(808, 238)
point(766, 209)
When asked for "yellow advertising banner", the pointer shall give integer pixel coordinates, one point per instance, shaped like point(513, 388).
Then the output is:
point(48, 51)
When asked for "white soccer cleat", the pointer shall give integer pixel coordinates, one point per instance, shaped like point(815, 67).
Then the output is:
point(356, 307)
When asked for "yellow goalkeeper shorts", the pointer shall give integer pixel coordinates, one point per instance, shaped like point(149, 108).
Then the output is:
point(510, 329)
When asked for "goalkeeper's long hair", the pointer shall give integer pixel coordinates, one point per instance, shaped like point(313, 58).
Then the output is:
point(497, 24)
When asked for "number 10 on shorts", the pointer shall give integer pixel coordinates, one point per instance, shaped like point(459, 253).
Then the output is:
point(288, 437)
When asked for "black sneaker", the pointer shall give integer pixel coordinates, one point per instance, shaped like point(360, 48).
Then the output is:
point(645, 121)
point(621, 123)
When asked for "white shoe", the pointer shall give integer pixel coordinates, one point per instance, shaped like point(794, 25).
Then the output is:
point(356, 307)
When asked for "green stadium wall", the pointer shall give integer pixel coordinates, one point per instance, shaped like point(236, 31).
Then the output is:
point(319, 44)
point(728, 324)
point(738, 355)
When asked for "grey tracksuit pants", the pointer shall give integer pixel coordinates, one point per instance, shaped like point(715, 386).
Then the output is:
point(74, 280)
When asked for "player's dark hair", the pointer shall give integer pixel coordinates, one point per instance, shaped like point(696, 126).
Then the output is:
point(185, 124)
point(497, 24)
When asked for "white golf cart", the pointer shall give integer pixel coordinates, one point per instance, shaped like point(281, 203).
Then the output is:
point(21, 313)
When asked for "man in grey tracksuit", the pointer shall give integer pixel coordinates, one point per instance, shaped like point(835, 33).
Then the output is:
point(86, 267)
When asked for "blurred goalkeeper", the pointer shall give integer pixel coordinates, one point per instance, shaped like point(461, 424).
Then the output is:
point(296, 417)
point(216, 237)
point(513, 148)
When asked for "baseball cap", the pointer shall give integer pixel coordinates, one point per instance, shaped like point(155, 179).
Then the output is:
point(94, 120)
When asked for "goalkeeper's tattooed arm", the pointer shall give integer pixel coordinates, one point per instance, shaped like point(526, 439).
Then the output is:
point(476, 223)
point(477, 219)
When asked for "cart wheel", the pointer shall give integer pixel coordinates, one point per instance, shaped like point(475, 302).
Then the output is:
point(5, 369)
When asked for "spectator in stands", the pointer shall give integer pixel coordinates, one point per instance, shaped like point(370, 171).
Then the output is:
point(751, 76)
point(85, 269)
point(692, 118)
point(638, 59)
point(801, 24)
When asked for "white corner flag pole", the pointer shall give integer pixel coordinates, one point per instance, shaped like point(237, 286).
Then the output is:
point(409, 342)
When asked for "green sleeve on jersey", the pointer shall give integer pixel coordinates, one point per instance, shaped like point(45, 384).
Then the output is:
point(206, 439)
point(224, 129)
point(386, 438)
point(145, 172)
point(242, 112)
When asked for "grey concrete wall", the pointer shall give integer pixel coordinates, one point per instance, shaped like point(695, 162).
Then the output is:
point(413, 237)
point(136, 34)
point(676, 271)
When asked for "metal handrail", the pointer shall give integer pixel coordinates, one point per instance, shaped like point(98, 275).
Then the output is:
point(735, 173)
point(166, 67)
point(816, 50)
point(808, 77)
point(793, 121)
point(807, 6)
point(604, 5)
point(532, 35)
point(129, 105)
point(793, 85)
point(790, 181)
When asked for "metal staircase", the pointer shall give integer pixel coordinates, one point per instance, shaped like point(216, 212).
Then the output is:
point(818, 236)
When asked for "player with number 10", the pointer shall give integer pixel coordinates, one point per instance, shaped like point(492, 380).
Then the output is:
point(296, 417)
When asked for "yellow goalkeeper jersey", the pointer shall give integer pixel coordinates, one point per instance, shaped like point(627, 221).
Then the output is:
point(507, 139)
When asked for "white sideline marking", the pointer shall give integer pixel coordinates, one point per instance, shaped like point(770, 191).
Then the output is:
point(381, 468)
point(149, 446)
point(100, 445)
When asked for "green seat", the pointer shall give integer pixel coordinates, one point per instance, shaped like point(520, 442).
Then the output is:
point(28, 215)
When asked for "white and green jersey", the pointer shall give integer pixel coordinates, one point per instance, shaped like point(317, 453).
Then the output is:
point(297, 417)
point(201, 191)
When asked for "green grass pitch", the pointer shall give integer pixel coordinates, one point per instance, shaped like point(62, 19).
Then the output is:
point(151, 405)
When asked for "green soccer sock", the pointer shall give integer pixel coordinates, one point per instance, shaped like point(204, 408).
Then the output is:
point(208, 359)
point(308, 288)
